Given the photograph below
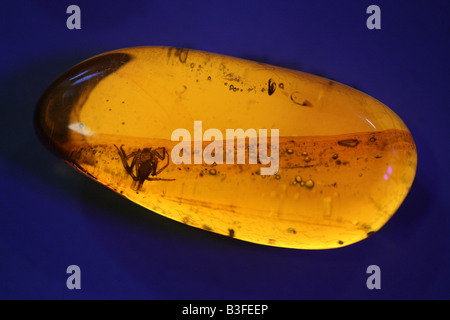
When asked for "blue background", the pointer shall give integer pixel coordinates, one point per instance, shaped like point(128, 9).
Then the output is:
point(53, 217)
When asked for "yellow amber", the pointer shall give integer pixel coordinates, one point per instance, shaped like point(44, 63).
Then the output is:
point(345, 160)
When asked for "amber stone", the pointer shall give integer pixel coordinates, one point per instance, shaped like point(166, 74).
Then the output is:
point(338, 164)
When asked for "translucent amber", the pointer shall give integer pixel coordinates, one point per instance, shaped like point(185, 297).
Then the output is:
point(346, 161)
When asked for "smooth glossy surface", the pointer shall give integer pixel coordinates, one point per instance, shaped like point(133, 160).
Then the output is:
point(346, 161)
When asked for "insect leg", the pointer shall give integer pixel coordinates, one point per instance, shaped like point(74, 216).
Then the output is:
point(124, 158)
point(165, 166)
point(159, 179)
point(161, 157)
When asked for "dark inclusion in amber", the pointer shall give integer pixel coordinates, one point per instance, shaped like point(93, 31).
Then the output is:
point(346, 161)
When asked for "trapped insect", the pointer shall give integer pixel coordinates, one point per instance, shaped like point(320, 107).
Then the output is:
point(144, 163)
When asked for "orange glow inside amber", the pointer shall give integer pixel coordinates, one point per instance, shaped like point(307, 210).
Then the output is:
point(346, 161)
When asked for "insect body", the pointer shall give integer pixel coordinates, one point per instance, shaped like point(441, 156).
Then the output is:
point(144, 165)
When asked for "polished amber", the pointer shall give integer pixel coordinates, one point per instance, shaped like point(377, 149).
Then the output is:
point(346, 161)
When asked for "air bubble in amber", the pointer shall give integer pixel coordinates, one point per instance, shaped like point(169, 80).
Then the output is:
point(345, 160)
